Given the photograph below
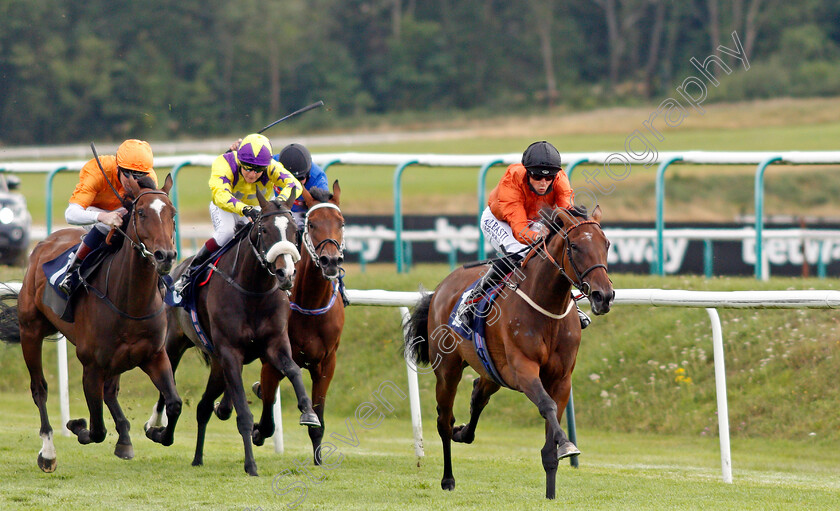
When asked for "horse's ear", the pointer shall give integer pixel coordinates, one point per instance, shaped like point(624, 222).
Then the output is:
point(290, 201)
point(336, 193)
point(167, 184)
point(596, 214)
point(131, 187)
point(307, 198)
point(261, 200)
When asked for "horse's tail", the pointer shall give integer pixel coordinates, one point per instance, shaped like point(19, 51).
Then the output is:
point(9, 326)
point(417, 333)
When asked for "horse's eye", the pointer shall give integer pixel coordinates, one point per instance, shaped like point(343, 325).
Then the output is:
point(573, 246)
point(311, 225)
point(141, 213)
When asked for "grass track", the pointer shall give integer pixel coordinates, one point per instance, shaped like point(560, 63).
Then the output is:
point(501, 470)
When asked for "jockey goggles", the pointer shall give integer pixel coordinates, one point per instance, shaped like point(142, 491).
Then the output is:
point(252, 168)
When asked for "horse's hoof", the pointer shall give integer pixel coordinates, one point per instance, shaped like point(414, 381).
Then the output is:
point(220, 413)
point(448, 483)
point(76, 425)
point(257, 389)
point(257, 437)
point(124, 451)
point(251, 470)
point(310, 419)
point(458, 435)
point(566, 450)
point(46, 465)
point(196, 462)
point(155, 434)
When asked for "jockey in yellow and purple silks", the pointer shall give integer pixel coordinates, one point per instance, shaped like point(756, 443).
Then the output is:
point(236, 177)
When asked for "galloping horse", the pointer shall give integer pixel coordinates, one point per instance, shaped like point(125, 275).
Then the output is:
point(531, 338)
point(317, 317)
point(244, 311)
point(119, 321)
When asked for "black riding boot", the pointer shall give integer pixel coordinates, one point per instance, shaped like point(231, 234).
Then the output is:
point(496, 271)
point(200, 258)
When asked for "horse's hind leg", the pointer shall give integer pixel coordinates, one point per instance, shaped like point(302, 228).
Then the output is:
point(31, 343)
point(448, 375)
point(266, 390)
point(93, 383)
point(204, 410)
point(123, 449)
point(160, 372)
point(483, 388)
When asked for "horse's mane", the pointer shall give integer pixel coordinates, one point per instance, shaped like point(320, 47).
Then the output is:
point(319, 194)
point(551, 217)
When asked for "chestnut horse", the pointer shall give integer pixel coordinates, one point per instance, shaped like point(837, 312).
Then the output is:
point(532, 334)
point(244, 311)
point(317, 317)
point(119, 321)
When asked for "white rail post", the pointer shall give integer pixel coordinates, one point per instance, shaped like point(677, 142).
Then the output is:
point(63, 384)
point(278, 424)
point(413, 396)
point(720, 390)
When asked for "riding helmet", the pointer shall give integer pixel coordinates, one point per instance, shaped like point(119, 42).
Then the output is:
point(297, 160)
point(254, 150)
point(135, 155)
point(541, 159)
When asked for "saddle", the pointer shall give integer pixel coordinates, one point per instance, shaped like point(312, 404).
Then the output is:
point(55, 270)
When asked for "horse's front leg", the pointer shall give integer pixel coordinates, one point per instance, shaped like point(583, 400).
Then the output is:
point(231, 363)
point(160, 372)
point(280, 357)
point(557, 445)
point(322, 375)
point(123, 449)
point(92, 382)
point(266, 390)
point(483, 388)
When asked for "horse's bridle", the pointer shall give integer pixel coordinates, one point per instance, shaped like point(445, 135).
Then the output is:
point(139, 245)
point(577, 281)
point(257, 247)
point(307, 239)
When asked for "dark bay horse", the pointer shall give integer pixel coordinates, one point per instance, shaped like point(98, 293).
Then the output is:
point(244, 311)
point(532, 334)
point(317, 317)
point(119, 321)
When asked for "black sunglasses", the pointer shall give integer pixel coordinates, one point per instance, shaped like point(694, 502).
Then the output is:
point(252, 168)
point(542, 178)
point(136, 174)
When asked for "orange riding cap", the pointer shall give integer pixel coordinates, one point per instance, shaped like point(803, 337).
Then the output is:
point(513, 201)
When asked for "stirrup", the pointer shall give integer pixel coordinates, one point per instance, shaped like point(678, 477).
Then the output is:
point(66, 284)
point(182, 282)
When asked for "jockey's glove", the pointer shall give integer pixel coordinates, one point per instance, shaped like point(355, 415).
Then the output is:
point(251, 212)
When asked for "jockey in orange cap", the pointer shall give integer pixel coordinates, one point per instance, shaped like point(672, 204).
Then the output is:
point(93, 203)
point(511, 220)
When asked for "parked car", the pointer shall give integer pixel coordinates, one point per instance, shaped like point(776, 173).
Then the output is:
point(15, 222)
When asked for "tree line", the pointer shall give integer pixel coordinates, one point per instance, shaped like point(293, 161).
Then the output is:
point(73, 71)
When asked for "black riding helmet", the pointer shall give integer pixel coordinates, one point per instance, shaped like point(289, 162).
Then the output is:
point(297, 160)
point(541, 159)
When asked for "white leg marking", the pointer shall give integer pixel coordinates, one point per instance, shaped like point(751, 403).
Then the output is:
point(48, 448)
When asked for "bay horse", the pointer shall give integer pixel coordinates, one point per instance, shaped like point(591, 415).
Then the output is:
point(531, 338)
point(317, 318)
point(243, 310)
point(119, 321)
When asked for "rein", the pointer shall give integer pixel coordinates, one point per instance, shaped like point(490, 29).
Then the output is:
point(144, 252)
point(577, 281)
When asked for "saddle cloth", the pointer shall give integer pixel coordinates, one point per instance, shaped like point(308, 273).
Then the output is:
point(475, 329)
